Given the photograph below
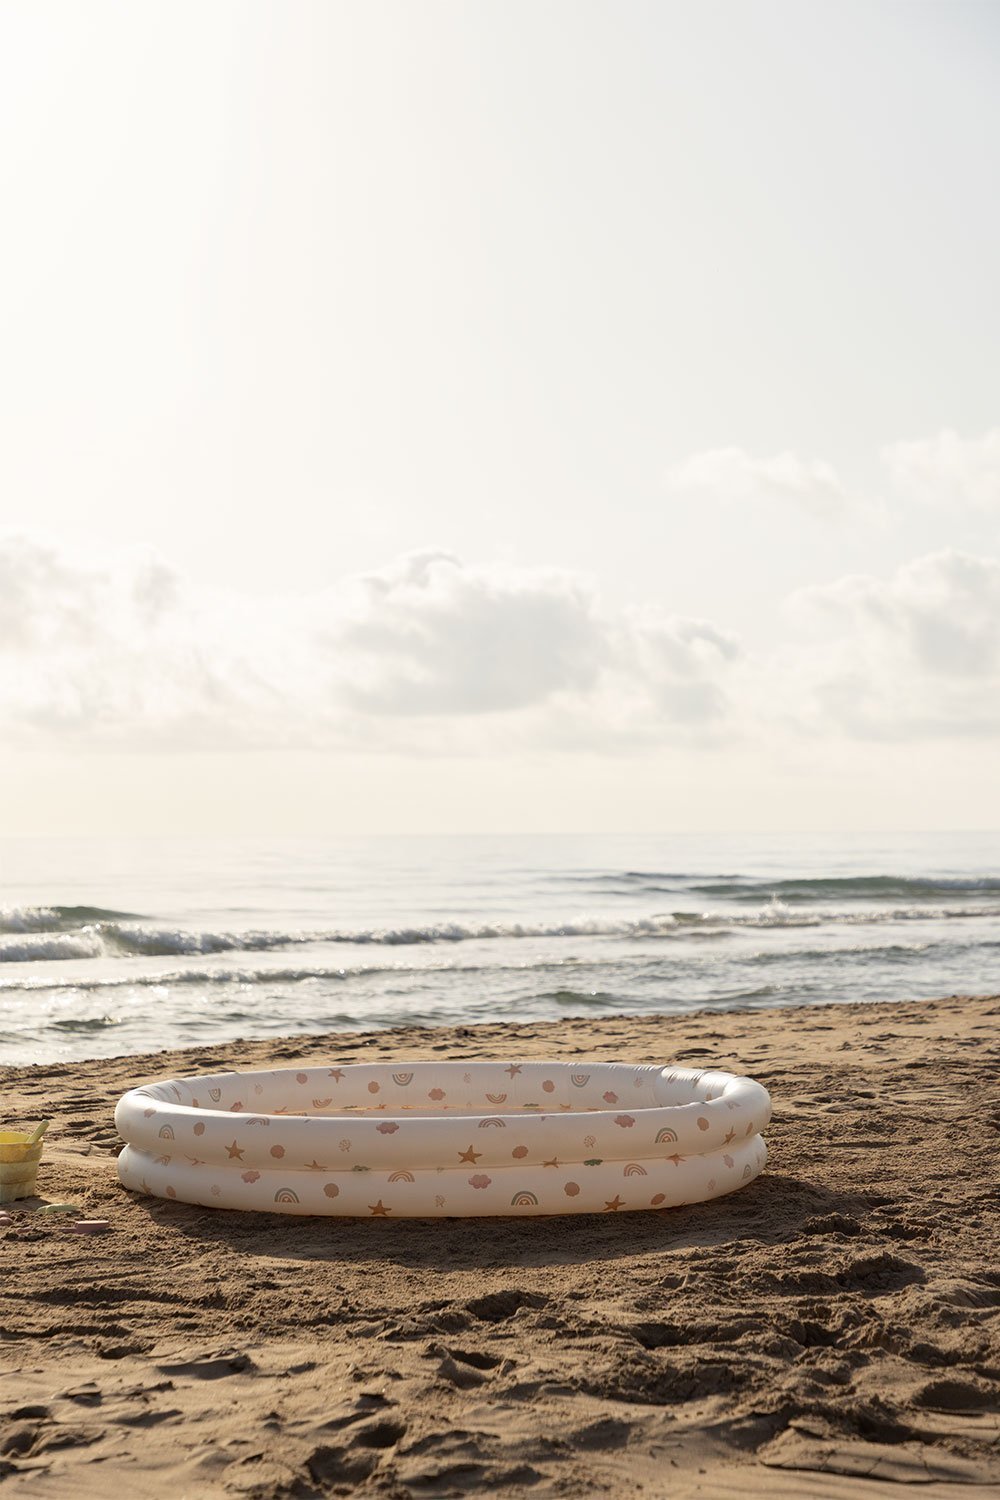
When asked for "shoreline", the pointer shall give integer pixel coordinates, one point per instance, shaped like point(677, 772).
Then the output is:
point(832, 1329)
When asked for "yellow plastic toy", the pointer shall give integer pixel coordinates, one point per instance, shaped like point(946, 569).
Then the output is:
point(20, 1153)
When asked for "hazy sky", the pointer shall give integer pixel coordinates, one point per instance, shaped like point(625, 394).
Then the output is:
point(503, 413)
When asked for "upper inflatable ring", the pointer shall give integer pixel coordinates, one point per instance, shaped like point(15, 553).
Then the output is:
point(433, 1139)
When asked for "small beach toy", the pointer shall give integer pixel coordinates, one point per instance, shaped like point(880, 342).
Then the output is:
point(91, 1226)
point(20, 1153)
point(445, 1140)
point(59, 1208)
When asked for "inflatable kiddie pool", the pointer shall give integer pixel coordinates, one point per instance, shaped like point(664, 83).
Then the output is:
point(434, 1139)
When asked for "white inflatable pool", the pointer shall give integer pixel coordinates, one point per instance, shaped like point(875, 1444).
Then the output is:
point(432, 1139)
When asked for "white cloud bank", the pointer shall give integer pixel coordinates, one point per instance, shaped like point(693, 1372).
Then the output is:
point(433, 656)
point(811, 485)
point(911, 656)
point(425, 654)
point(948, 470)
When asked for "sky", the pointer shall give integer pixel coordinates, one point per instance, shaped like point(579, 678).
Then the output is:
point(542, 415)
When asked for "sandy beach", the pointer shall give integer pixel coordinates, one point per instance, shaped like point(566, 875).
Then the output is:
point(832, 1330)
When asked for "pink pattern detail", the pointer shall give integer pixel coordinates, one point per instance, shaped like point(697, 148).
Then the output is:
point(387, 1127)
point(625, 1121)
point(610, 1098)
point(480, 1180)
point(250, 1176)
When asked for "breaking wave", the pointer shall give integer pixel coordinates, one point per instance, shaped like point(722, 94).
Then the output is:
point(58, 918)
point(114, 939)
point(795, 889)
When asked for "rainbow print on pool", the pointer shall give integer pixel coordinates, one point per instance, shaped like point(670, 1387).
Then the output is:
point(445, 1140)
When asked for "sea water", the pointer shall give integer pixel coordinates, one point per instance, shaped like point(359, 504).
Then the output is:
point(111, 946)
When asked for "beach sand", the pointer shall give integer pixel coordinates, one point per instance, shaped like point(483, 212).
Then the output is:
point(831, 1331)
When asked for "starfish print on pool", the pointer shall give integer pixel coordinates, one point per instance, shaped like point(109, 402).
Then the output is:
point(337, 1073)
point(552, 1163)
point(315, 1166)
point(470, 1156)
point(614, 1205)
point(235, 1151)
point(514, 1068)
point(730, 1136)
point(379, 1209)
point(676, 1159)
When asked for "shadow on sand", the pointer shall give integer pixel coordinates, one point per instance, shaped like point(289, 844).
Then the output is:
point(773, 1210)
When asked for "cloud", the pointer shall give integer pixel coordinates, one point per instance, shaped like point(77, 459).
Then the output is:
point(948, 470)
point(914, 655)
point(427, 635)
point(426, 654)
point(733, 474)
point(430, 655)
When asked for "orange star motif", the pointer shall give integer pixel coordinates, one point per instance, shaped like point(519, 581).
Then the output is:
point(314, 1166)
point(614, 1205)
point(552, 1163)
point(676, 1159)
point(337, 1073)
point(730, 1136)
point(514, 1068)
point(470, 1156)
point(379, 1209)
point(235, 1152)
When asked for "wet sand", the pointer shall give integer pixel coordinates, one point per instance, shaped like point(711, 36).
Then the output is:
point(831, 1331)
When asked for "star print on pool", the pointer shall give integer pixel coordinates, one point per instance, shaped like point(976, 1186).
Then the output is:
point(235, 1152)
point(379, 1209)
point(615, 1203)
point(471, 1156)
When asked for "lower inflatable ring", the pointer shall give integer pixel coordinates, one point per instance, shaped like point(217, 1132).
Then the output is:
point(445, 1140)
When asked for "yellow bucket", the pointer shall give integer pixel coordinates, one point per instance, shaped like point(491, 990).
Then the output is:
point(19, 1159)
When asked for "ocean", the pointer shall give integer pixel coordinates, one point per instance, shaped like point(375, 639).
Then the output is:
point(114, 946)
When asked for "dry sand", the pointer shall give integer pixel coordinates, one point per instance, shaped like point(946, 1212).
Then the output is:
point(832, 1331)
